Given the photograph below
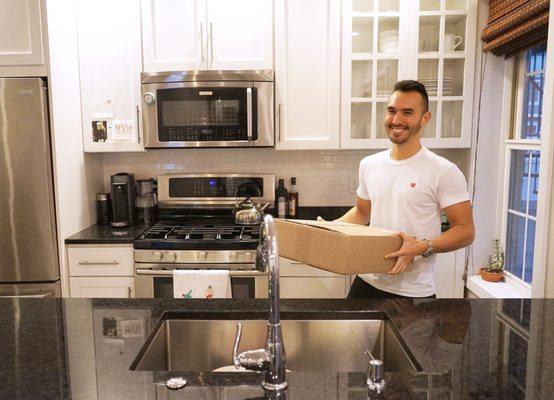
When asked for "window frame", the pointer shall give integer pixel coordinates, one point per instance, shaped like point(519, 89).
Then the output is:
point(511, 125)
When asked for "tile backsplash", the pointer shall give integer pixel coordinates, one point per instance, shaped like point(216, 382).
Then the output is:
point(323, 177)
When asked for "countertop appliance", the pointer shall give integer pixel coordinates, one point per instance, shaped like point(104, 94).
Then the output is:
point(123, 199)
point(197, 230)
point(29, 263)
point(208, 109)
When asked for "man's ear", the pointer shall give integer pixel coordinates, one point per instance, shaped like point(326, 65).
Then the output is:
point(426, 117)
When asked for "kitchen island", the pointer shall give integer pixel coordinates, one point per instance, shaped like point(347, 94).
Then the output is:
point(466, 349)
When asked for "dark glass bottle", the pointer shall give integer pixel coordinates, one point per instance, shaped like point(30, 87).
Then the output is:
point(293, 199)
point(282, 200)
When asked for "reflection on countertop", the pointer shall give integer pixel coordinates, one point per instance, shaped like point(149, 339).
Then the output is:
point(468, 349)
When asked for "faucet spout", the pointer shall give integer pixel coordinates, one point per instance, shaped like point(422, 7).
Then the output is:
point(270, 360)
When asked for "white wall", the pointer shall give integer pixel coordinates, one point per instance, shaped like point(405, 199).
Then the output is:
point(323, 177)
point(486, 146)
point(77, 176)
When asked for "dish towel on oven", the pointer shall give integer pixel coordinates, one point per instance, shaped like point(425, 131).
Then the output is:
point(201, 284)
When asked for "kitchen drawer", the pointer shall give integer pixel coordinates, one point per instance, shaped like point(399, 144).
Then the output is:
point(102, 287)
point(101, 260)
point(313, 287)
point(297, 268)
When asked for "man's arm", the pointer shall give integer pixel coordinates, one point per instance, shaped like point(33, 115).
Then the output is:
point(460, 234)
point(359, 214)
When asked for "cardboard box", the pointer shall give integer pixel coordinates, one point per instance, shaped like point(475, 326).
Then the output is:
point(338, 247)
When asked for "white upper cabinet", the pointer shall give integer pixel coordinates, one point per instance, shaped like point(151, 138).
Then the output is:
point(307, 74)
point(207, 34)
point(110, 65)
point(174, 35)
point(21, 38)
point(240, 34)
point(384, 41)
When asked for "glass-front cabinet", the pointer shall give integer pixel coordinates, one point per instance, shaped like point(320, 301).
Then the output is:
point(384, 41)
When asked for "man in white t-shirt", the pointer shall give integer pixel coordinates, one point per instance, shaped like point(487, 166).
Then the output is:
point(405, 189)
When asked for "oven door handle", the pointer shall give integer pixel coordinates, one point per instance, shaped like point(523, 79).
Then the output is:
point(166, 272)
point(249, 113)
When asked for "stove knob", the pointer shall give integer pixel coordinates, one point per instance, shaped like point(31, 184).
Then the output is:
point(156, 256)
point(171, 256)
point(202, 256)
point(233, 256)
point(248, 256)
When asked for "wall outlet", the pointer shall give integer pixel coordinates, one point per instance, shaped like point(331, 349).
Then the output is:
point(353, 184)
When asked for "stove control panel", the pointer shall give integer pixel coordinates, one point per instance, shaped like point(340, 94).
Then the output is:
point(195, 256)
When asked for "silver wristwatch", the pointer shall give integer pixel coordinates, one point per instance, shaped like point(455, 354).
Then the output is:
point(430, 249)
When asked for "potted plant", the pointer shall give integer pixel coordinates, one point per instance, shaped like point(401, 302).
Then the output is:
point(495, 270)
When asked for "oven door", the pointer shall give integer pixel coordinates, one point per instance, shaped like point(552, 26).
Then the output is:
point(208, 114)
point(155, 283)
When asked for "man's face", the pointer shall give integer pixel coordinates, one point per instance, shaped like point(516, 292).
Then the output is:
point(405, 117)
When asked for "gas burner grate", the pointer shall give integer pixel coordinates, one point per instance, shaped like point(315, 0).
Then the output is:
point(212, 231)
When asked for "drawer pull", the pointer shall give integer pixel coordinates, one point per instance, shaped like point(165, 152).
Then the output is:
point(99, 262)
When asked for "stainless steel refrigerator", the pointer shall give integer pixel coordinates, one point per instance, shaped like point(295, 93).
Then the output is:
point(29, 262)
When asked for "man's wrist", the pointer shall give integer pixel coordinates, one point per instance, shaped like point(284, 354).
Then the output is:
point(427, 248)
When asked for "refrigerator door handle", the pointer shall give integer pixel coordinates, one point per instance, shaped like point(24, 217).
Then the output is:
point(33, 296)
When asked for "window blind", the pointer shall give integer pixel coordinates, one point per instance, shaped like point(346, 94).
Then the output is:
point(515, 25)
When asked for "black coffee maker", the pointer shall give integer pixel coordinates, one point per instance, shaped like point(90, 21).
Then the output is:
point(123, 200)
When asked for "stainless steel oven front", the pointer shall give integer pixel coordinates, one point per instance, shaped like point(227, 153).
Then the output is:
point(156, 281)
point(208, 109)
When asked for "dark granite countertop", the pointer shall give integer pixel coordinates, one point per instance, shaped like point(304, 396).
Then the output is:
point(105, 234)
point(468, 349)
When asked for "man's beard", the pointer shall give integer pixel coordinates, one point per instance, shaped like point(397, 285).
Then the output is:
point(401, 140)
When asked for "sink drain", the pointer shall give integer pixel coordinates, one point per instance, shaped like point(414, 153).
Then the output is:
point(176, 383)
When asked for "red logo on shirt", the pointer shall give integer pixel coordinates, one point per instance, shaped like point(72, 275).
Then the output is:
point(412, 184)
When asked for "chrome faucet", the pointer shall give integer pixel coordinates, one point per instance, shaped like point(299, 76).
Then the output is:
point(271, 359)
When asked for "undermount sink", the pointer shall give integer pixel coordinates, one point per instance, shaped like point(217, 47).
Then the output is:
point(196, 345)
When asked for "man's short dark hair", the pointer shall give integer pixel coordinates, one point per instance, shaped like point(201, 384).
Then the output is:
point(409, 85)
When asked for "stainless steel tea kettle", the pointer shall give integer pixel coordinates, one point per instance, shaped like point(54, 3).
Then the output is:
point(247, 212)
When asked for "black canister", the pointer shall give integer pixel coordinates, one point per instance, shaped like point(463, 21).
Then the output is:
point(103, 209)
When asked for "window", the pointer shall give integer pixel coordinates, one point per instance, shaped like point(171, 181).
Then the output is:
point(523, 155)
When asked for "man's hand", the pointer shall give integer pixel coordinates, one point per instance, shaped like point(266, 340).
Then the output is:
point(411, 247)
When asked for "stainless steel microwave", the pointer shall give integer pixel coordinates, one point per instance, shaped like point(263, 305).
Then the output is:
point(208, 109)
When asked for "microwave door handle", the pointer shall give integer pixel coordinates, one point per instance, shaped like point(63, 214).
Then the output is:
point(249, 113)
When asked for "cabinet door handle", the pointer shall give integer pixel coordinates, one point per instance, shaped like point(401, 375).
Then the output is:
point(279, 121)
point(202, 55)
point(129, 292)
point(138, 123)
point(99, 262)
point(211, 45)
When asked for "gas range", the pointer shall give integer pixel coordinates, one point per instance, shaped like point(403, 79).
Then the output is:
point(197, 231)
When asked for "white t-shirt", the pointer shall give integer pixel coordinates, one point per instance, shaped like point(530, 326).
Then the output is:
point(408, 196)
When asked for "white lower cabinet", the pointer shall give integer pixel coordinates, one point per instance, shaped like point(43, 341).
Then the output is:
point(449, 274)
point(103, 286)
point(101, 270)
point(300, 281)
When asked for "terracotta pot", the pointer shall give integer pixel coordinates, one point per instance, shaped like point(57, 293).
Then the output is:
point(491, 276)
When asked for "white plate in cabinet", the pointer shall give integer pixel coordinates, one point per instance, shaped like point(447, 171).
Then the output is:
point(100, 261)
point(102, 287)
point(297, 287)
